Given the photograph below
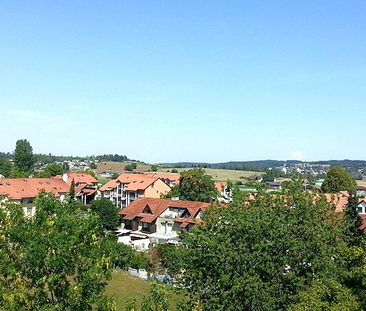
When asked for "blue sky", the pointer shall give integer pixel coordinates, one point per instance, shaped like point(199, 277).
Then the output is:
point(185, 80)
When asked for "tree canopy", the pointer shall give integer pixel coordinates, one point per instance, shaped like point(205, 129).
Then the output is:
point(57, 260)
point(5, 167)
point(23, 156)
point(194, 185)
point(107, 213)
point(338, 179)
point(271, 253)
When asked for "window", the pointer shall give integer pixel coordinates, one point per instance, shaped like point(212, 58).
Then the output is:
point(29, 210)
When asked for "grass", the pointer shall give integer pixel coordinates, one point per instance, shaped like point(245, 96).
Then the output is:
point(221, 174)
point(123, 287)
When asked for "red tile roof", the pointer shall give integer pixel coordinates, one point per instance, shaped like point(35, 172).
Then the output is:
point(136, 182)
point(112, 184)
point(157, 207)
point(167, 176)
point(20, 188)
point(220, 186)
point(81, 178)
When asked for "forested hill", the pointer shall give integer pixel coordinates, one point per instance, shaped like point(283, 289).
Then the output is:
point(262, 165)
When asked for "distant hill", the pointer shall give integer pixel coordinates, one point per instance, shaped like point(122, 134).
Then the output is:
point(262, 165)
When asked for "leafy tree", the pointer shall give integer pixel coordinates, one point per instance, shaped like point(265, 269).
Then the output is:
point(129, 167)
point(174, 170)
point(171, 258)
point(154, 168)
point(93, 166)
point(262, 256)
point(5, 167)
point(53, 169)
point(115, 175)
point(56, 260)
point(23, 156)
point(107, 212)
point(194, 185)
point(71, 194)
point(338, 179)
point(326, 295)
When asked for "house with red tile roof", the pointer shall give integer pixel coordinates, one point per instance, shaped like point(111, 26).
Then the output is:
point(158, 220)
point(25, 190)
point(85, 186)
point(171, 179)
point(129, 186)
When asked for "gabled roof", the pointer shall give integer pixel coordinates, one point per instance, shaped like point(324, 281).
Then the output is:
point(81, 178)
point(136, 182)
point(112, 184)
point(167, 176)
point(20, 188)
point(157, 207)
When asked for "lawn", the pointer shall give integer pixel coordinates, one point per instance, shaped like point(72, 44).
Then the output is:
point(124, 286)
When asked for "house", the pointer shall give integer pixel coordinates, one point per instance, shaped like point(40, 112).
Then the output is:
point(361, 191)
point(85, 186)
point(25, 190)
point(128, 187)
point(170, 179)
point(149, 221)
point(225, 194)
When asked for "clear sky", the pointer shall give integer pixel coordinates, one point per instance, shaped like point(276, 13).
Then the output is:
point(185, 80)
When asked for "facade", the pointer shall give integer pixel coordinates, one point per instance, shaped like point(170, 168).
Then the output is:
point(25, 190)
point(129, 187)
point(149, 221)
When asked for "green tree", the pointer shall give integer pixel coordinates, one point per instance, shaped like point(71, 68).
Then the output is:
point(93, 166)
point(338, 179)
point(53, 169)
point(194, 185)
point(23, 156)
point(56, 260)
point(107, 213)
point(5, 167)
point(129, 167)
point(154, 168)
point(262, 256)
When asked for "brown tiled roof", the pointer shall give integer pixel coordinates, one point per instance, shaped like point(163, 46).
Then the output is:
point(20, 188)
point(136, 182)
point(220, 186)
point(112, 184)
point(157, 207)
point(170, 176)
point(81, 178)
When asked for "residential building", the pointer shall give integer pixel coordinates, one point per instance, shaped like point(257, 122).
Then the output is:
point(149, 221)
point(85, 186)
point(128, 187)
point(25, 190)
point(171, 179)
point(225, 194)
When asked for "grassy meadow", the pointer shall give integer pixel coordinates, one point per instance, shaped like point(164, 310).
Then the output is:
point(123, 287)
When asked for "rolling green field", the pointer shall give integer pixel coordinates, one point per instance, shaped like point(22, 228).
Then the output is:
point(221, 174)
point(217, 174)
point(124, 286)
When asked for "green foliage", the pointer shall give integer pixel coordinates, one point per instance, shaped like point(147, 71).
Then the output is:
point(129, 167)
point(171, 258)
point(107, 213)
point(56, 260)
point(5, 167)
point(157, 300)
point(154, 168)
point(194, 185)
point(326, 295)
point(53, 169)
point(115, 176)
point(338, 179)
point(174, 170)
point(140, 260)
point(93, 166)
point(271, 175)
point(122, 254)
point(23, 156)
point(262, 256)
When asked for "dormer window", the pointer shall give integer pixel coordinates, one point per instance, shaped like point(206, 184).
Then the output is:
point(147, 210)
